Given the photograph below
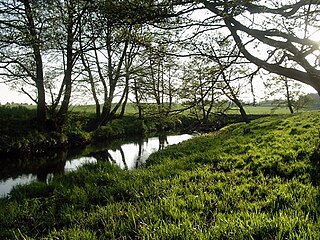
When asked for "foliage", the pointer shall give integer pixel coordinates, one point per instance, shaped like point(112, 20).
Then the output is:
point(19, 132)
point(19, 129)
point(127, 126)
point(246, 181)
point(277, 44)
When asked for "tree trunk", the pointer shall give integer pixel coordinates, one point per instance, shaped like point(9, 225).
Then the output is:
point(289, 102)
point(92, 85)
point(63, 111)
point(126, 95)
point(243, 114)
point(67, 81)
point(39, 79)
point(41, 105)
point(138, 103)
point(235, 99)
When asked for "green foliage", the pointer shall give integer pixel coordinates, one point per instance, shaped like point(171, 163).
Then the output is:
point(127, 126)
point(19, 131)
point(16, 120)
point(232, 184)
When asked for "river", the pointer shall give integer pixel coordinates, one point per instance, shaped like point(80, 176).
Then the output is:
point(128, 154)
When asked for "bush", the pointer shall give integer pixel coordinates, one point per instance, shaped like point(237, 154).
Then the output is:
point(128, 126)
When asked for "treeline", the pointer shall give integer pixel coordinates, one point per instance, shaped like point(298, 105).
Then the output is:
point(55, 46)
point(160, 52)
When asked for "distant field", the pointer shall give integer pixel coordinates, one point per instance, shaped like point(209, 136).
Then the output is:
point(262, 110)
point(131, 109)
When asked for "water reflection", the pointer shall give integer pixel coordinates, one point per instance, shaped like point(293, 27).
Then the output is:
point(127, 154)
point(134, 154)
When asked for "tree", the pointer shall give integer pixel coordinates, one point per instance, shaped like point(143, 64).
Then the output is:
point(303, 101)
point(199, 89)
point(110, 60)
point(32, 34)
point(232, 93)
point(157, 83)
point(280, 86)
point(23, 32)
point(281, 28)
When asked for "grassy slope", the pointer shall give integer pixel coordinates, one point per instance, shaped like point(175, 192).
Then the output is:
point(227, 185)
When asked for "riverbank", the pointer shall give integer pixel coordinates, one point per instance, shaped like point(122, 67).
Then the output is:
point(254, 181)
point(19, 133)
point(127, 153)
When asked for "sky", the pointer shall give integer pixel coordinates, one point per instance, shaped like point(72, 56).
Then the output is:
point(7, 96)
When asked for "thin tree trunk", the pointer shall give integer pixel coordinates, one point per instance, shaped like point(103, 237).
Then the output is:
point(289, 102)
point(138, 103)
point(235, 99)
point(92, 85)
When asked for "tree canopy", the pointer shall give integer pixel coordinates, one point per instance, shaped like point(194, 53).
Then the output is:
point(278, 36)
point(58, 46)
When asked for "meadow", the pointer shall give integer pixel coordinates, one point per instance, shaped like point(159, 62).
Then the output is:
point(132, 110)
point(246, 181)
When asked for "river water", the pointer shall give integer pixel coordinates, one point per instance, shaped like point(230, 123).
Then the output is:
point(128, 154)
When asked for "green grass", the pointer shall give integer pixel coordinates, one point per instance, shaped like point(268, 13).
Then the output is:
point(254, 110)
point(256, 181)
point(131, 109)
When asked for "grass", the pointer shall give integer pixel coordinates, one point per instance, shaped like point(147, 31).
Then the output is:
point(132, 110)
point(254, 110)
point(256, 181)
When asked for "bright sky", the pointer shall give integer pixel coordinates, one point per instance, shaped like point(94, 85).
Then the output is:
point(8, 95)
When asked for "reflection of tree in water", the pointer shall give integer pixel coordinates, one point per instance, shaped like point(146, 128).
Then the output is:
point(140, 151)
point(103, 156)
point(54, 166)
point(123, 158)
point(42, 166)
point(39, 165)
point(106, 156)
point(163, 141)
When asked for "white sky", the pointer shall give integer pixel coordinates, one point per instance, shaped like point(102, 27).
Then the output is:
point(8, 95)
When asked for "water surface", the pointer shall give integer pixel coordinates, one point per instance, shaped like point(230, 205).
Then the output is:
point(128, 154)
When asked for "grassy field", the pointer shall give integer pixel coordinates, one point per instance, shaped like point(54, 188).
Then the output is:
point(131, 109)
point(255, 181)
point(253, 110)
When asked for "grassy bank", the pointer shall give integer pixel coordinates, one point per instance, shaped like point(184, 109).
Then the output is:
point(256, 181)
point(19, 132)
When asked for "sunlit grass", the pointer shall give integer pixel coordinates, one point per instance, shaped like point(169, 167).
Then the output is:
point(267, 110)
point(131, 109)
